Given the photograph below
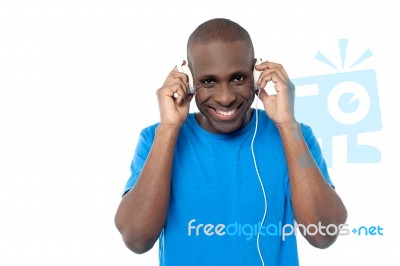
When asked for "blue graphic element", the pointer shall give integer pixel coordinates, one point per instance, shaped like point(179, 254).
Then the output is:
point(343, 50)
point(368, 230)
point(367, 54)
point(319, 56)
point(344, 103)
point(348, 102)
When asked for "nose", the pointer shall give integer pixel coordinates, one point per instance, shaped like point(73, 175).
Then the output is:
point(224, 95)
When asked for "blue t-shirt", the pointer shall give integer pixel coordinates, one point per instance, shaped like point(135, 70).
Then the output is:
point(216, 203)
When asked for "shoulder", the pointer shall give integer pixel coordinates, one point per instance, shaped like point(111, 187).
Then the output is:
point(147, 134)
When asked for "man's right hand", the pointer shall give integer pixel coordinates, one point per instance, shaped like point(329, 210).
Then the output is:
point(174, 111)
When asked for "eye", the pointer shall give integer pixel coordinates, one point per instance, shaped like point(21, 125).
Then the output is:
point(208, 82)
point(239, 78)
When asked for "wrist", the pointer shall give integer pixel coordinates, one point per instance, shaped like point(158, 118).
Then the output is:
point(168, 129)
point(290, 129)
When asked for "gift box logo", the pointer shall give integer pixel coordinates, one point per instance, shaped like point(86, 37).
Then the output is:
point(343, 103)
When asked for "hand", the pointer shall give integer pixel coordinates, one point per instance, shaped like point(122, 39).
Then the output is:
point(174, 110)
point(279, 107)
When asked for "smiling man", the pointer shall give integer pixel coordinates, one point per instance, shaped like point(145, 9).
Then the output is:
point(223, 72)
point(211, 190)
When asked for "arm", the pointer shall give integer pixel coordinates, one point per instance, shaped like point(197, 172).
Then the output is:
point(143, 210)
point(314, 201)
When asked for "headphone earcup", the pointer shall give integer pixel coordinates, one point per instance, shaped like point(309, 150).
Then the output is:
point(256, 73)
point(185, 69)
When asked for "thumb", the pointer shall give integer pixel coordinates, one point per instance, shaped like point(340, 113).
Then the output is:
point(262, 94)
point(188, 97)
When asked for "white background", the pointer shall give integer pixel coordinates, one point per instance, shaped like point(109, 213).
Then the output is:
point(77, 84)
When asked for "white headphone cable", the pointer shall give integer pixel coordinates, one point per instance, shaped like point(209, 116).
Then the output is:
point(261, 183)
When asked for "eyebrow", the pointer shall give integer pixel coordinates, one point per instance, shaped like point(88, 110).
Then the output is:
point(207, 76)
point(232, 75)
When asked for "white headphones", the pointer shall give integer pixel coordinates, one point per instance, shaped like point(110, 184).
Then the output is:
point(185, 69)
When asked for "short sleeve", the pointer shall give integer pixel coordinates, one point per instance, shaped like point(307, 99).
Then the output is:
point(142, 151)
point(316, 152)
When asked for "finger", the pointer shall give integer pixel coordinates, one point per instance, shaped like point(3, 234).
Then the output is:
point(187, 99)
point(174, 74)
point(262, 66)
point(180, 94)
point(270, 74)
point(270, 77)
point(273, 66)
point(177, 91)
point(182, 76)
point(175, 80)
point(172, 89)
point(278, 67)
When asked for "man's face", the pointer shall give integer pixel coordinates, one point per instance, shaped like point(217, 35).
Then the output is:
point(223, 77)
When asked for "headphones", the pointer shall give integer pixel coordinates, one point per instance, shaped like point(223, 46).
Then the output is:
point(191, 90)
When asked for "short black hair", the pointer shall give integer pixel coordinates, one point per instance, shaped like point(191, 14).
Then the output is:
point(219, 30)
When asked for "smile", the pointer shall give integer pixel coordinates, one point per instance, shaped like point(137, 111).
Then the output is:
point(225, 114)
point(228, 113)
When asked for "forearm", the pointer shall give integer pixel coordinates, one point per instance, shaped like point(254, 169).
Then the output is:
point(314, 201)
point(143, 210)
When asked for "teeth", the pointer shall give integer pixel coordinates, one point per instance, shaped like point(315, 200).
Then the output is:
point(225, 113)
